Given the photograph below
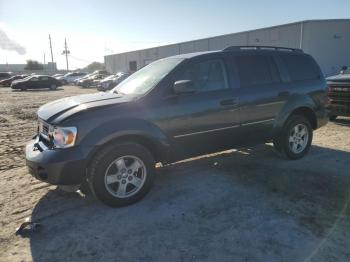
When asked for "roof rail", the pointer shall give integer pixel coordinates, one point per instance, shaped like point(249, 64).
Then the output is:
point(277, 48)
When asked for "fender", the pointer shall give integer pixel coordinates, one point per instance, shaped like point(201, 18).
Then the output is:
point(113, 130)
point(294, 102)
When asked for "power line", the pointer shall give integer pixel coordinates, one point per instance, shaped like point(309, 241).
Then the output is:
point(80, 59)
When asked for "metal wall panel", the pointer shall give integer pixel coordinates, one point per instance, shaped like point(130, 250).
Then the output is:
point(327, 41)
point(221, 42)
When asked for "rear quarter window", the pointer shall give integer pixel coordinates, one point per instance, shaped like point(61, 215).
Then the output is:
point(300, 67)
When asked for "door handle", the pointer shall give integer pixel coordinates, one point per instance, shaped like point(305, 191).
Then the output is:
point(283, 94)
point(228, 102)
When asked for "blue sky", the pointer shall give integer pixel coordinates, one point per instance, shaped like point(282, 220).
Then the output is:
point(95, 28)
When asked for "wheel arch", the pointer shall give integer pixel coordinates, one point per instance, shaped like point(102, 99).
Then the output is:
point(308, 113)
point(158, 149)
point(298, 104)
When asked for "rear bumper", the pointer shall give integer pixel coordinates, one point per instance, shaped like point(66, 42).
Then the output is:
point(56, 166)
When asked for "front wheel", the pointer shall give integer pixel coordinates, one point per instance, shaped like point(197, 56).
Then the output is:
point(121, 174)
point(296, 137)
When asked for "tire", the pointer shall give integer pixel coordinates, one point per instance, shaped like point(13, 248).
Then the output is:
point(23, 88)
point(332, 117)
point(295, 140)
point(53, 87)
point(108, 177)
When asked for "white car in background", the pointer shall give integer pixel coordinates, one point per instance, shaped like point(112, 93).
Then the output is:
point(70, 77)
point(57, 75)
point(112, 81)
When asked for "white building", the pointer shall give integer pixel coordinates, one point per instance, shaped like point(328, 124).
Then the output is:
point(328, 41)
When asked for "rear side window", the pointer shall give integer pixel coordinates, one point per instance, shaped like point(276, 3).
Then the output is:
point(300, 67)
point(256, 70)
point(207, 75)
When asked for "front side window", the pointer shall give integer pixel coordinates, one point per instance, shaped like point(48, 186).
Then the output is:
point(256, 70)
point(148, 77)
point(207, 75)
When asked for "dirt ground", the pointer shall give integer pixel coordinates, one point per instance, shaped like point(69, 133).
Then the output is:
point(242, 205)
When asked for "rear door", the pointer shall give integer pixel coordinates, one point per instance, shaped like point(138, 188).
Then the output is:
point(262, 94)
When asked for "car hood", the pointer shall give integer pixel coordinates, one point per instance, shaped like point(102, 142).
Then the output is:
point(61, 109)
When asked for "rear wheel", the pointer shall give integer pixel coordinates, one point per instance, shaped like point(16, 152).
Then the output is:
point(53, 87)
point(296, 137)
point(121, 174)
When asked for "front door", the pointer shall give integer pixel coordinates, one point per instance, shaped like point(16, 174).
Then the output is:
point(207, 119)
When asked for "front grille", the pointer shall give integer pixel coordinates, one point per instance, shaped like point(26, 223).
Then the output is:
point(340, 98)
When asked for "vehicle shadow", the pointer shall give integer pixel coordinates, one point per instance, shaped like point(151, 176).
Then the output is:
point(38, 90)
point(247, 204)
point(345, 121)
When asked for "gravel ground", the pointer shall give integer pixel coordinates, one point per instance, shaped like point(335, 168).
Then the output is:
point(239, 205)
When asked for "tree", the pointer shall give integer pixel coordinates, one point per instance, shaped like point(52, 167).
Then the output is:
point(94, 66)
point(33, 65)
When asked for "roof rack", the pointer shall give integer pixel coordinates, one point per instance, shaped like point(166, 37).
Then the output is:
point(277, 48)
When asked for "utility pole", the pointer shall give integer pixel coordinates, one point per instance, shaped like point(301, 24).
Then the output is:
point(66, 52)
point(51, 48)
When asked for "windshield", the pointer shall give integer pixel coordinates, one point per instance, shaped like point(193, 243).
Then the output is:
point(146, 78)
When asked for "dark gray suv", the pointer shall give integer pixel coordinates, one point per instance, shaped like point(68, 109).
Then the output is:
point(175, 108)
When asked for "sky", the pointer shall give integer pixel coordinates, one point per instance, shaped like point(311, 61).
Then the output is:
point(97, 28)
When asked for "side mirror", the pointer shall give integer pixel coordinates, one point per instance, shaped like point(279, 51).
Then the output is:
point(183, 87)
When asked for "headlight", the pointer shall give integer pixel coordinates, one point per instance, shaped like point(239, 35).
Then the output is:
point(64, 137)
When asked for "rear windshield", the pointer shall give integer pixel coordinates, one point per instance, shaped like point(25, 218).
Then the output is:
point(301, 67)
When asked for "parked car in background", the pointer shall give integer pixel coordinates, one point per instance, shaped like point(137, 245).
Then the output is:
point(79, 81)
point(339, 94)
point(8, 81)
point(57, 75)
point(111, 81)
point(91, 81)
point(175, 108)
point(70, 77)
point(36, 82)
point(5, 75)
